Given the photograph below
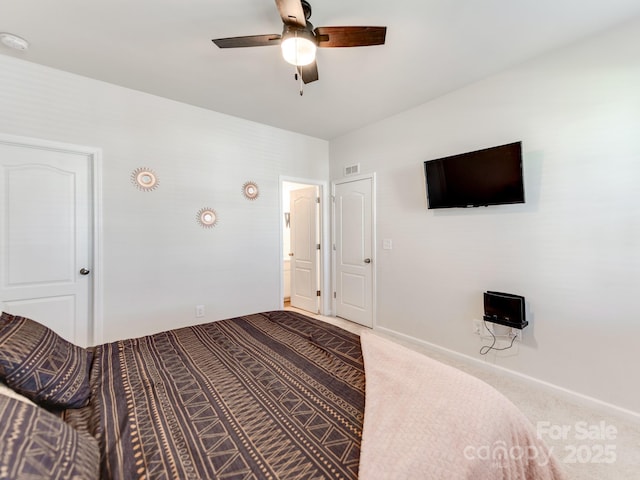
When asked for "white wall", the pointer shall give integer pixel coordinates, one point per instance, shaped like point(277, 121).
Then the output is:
point(573, 249)
point(158, 263)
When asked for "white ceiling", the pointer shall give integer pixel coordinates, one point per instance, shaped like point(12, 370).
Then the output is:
point(164, 47)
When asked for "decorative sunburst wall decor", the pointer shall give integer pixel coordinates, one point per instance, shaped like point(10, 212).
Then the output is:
point(144, 179)
point(250, 190)
point(207, 217)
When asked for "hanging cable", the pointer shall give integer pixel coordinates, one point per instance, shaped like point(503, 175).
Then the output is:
point(487, 348)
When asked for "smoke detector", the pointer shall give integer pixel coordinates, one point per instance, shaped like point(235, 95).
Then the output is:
point(14, 41)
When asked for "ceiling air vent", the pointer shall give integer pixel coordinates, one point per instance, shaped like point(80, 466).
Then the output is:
point(352, 169)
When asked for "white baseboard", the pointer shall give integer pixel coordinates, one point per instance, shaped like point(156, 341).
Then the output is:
point(590, 402)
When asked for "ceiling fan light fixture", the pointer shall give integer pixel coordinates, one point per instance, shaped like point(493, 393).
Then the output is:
point(298, 47)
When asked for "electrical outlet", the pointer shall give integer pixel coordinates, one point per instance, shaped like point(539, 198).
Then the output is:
point(477, 327)
point(517, 332)
point(199, 311)
point(482, 329)
point(489, 329)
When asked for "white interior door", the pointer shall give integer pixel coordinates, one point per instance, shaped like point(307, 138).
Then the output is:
point(45, 254)
point(304, 248)
point(354, 250)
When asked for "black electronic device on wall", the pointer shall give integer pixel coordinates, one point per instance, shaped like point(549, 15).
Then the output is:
point(505, 308)
point(491, 176)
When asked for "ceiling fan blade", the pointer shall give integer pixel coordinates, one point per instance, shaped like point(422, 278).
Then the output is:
point(309, 73)
point(291, 12)
point(249, 41)
point(329, 37)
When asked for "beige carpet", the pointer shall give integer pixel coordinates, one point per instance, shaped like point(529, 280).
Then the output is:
point(591, 444)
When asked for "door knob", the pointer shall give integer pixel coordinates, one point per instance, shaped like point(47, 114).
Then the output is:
point(367, 260)
point(291, 254)
point(84, 271)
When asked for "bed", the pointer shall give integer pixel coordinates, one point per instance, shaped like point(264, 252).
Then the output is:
point(273, 395)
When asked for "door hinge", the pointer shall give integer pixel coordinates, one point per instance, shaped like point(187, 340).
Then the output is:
point(317, 293)
point(334, 294)
point(317, 199)
point(318, 246)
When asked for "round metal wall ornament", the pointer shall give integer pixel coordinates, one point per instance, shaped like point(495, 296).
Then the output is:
point(207, 217)
point(144, 179)
point(250, 190)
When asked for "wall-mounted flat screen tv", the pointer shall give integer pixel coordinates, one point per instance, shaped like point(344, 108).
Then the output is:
point(492, 176)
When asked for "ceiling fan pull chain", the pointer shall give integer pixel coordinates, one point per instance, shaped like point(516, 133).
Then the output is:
point(301, 85)
point(298, 75)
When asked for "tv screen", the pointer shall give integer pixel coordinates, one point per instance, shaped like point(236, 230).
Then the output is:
point(492, 176)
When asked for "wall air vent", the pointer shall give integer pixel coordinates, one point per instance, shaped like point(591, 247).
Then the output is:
point(352, 169)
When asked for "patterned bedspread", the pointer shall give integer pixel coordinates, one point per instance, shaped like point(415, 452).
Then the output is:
point(270, 395)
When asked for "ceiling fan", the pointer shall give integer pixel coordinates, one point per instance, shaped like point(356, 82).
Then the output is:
point(300, 39)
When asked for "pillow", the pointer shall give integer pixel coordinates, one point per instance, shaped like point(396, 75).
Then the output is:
point(41, 365)
point(7, 392)
point(36, 444)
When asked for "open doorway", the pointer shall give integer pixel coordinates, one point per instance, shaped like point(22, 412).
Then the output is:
point(303, 253)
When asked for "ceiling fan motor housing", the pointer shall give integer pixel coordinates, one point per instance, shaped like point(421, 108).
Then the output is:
point(305, 32)
point(306, 8)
